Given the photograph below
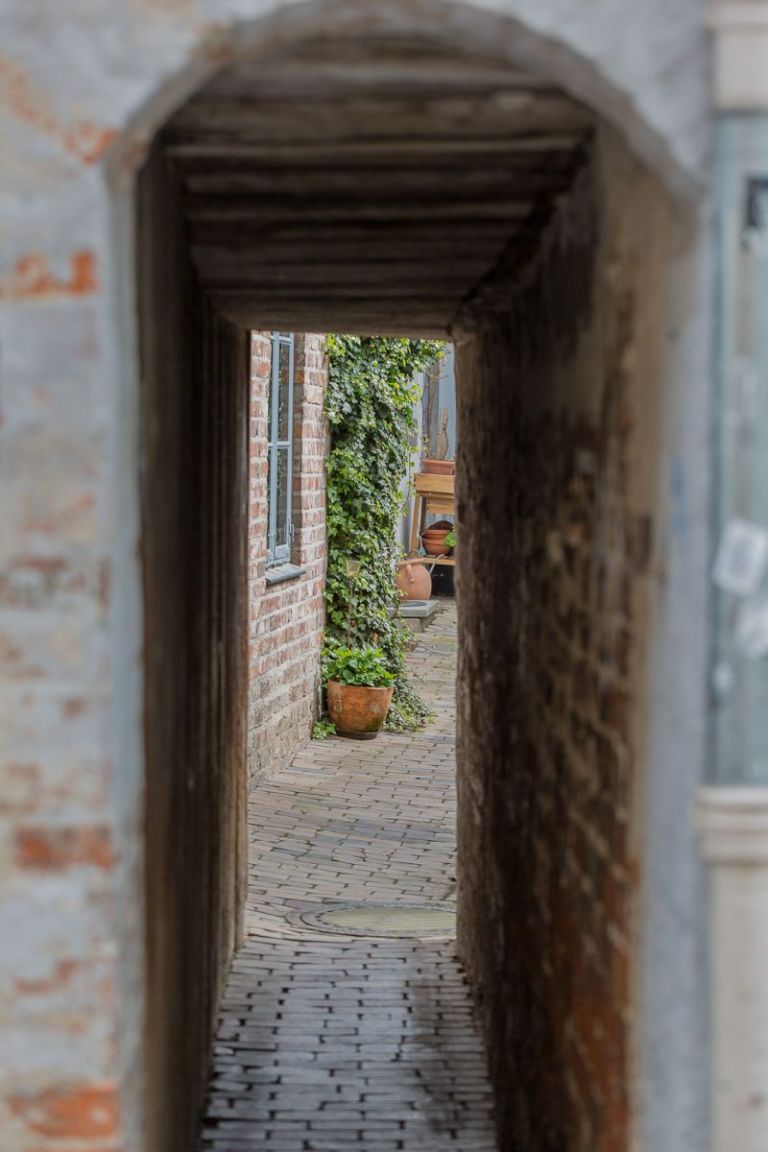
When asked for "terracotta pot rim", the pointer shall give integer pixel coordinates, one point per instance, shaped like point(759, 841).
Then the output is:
point(361, 687)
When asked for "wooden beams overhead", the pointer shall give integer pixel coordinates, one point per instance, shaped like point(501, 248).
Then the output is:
point(367, 185)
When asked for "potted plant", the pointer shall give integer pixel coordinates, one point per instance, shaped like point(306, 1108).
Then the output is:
point(433, 537)
point(449, 543)
point(359, 688)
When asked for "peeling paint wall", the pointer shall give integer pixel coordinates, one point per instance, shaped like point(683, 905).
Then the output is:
point(83, 88)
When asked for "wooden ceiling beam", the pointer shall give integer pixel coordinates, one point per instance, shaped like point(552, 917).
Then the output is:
point(373, 252)
point(370, 118)
point(195, 154)
point(429, 283)
point(465, 182)
point(388, 317)
point(263, 231)
point(345, 73)
point(426, 288)
point(277, 210)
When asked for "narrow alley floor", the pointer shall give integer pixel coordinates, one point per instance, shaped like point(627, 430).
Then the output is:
point(357, 1033)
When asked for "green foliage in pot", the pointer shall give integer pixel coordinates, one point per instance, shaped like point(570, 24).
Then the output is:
point(450, 541)
point(370, 406)
point(362, 667)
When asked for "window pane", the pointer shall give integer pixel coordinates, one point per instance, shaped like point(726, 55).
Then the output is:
point(282, 497)
point(271, 542)
point(284, 387)
point(270, 394)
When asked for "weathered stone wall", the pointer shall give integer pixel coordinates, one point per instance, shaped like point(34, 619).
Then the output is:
point(557, 483)
point(286, 619)
point(195, 500)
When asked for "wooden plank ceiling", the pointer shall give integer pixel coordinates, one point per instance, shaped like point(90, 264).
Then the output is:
point(367, 185)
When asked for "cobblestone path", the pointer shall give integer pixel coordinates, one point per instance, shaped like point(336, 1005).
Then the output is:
point(332, 1042)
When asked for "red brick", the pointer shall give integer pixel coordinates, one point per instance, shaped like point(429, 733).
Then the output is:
point(50, 848)
point(78, 1112)
point(285, 622)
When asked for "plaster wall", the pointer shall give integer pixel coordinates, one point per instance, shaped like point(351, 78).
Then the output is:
point(83, 88)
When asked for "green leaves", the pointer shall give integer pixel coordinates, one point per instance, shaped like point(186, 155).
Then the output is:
point(365, 666)
point(323, 729)
point(370, 405)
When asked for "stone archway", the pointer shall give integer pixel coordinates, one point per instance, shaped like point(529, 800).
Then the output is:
point(168, 61)
point(271, 163)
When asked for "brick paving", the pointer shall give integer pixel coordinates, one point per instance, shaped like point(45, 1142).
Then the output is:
point(329, 1042)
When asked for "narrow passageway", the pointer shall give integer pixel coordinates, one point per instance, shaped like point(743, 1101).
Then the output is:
point(356, 1034)
point(432, 180)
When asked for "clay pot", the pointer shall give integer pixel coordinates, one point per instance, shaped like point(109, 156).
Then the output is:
point(413, 581)
point(435, 545)
point(358, 712)
point(438, 467)
point(433, 538)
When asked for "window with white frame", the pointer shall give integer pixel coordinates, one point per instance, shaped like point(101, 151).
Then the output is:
point(280, 449)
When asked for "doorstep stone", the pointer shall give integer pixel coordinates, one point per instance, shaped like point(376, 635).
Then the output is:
point(418, 613)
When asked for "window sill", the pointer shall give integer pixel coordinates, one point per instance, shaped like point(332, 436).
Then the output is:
point(282, 572)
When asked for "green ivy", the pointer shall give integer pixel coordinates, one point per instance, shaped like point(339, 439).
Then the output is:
point(370, 405)
point(323, 729)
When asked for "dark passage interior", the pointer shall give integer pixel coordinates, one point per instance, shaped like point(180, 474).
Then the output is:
point(385, 184)
point(367, 186)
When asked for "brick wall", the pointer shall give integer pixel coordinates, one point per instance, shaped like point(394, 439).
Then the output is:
point(286, 619)
point(556, 480)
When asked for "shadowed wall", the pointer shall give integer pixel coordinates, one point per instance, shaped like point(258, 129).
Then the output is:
point(556, 483)
point(195, 494)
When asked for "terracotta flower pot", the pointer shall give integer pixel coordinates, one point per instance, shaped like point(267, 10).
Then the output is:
point(433, 537)
point(438, 467)
point(435, 545)
point(413, 581)
point(356, 711)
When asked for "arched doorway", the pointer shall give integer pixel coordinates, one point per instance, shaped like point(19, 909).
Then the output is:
point(386, 179)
